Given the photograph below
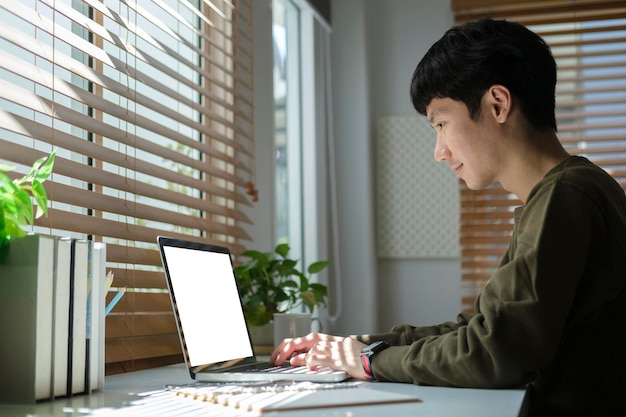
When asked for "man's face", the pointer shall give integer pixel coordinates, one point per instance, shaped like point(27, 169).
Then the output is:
point(468, 146)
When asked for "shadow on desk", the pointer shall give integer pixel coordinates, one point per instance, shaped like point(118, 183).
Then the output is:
point(143, 392)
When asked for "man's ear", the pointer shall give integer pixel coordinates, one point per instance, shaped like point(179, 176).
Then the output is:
point(500, 101)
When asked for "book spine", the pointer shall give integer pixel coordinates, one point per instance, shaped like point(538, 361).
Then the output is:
point(88, 317)
point(26, 284)
point(44, 302)
point(61, 321)
point(79, 316)
point(97, 318)
point(70, 324)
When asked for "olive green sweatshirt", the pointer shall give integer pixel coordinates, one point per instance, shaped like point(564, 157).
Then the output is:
point(553, 314)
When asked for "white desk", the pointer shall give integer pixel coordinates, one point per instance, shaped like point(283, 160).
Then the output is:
point(122, 390)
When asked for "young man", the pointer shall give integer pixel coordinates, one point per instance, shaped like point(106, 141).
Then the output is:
point(553, 315)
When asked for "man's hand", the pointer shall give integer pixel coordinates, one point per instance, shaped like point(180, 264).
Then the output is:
point(318, 349)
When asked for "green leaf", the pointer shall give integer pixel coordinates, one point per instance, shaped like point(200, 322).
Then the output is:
point(23, 206)
point(320, 291)
point(282, 249)
point(281, 296)
point(260, 259)
point(12, 229)
point(41, 169)
point(44, 166)
point(316, 267)
point(16, 210)
point(39, 192)
point(240, 270)
point(8, 186)
point(308, 298)
point(16, 196)
point(5, 180)
point(304, 283)
point(319, 288)
point(8, 206)
point(254, 300)
point(289, 284)
point(41, 212)
point(258, 316)
point(251, 254)
point(286, 267)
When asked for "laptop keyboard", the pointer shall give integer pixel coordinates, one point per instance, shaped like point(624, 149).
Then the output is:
point(287, 370)
point(284, 369)
point(264, 371)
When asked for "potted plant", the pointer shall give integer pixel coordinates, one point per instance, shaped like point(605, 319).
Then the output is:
point(270, 282)
point(16, 206)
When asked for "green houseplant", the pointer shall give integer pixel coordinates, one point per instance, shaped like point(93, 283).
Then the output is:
point(16, 205)
point(270, 282)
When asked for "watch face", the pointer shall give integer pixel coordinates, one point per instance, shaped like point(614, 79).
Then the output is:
point(366, 357)
point(376, 347)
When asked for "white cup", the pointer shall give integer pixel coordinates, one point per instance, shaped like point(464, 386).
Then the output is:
point(290, 325)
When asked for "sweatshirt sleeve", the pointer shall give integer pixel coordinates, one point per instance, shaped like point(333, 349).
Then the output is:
point(405, 334)
point(521, 313)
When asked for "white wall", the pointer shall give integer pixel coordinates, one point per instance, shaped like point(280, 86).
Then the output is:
point(262, 212)
point(355, 179)
point(375, 46)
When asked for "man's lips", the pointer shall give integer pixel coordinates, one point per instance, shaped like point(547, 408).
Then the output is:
point(457, 169)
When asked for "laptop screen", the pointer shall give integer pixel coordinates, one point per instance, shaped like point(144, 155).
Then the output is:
point(205, 294)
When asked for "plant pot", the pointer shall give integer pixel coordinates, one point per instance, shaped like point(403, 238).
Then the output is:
point(262, 337)
point(290, 325)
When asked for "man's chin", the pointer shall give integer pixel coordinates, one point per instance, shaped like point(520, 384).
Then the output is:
point(476, 186)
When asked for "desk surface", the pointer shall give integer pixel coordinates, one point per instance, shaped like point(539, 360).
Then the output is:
point(129, 394)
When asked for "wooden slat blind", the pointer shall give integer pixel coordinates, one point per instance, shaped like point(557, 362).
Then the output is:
point(150, 107)
point(588, 41)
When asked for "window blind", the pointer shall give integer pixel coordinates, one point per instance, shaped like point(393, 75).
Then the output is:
point(588, 41)
point(149, 105)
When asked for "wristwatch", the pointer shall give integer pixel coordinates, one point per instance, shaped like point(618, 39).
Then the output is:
point(366, 357)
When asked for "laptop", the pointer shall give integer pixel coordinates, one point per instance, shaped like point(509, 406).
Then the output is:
point(209, 315)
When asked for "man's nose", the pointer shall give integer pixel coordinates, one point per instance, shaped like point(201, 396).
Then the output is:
point(442, 153)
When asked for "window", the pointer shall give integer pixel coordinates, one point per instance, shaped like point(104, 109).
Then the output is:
point(301, 101)
point(286, 31)
point(149, 106)
point(303, 140)
point(588, 41)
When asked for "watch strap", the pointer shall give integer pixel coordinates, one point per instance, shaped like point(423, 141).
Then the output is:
point(366, 362)
point(366, 358)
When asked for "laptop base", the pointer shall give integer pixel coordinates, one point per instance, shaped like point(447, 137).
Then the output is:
point(277, 373)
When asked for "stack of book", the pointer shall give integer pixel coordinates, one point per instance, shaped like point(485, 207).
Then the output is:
point(52, 301)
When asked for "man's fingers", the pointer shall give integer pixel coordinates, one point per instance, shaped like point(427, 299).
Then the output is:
point(288, 347)
point(299, 359)
point(283, 352)
point(320, 355)
point(321, 345)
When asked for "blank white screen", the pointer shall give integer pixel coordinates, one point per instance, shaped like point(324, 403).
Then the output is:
point(208, 305)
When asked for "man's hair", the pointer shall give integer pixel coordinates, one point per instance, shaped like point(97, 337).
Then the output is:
point(470, 58)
